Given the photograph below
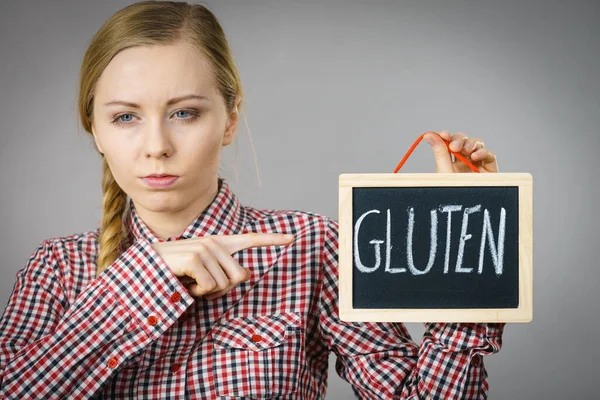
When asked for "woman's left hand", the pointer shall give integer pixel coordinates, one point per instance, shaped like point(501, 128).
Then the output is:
point(471, 148)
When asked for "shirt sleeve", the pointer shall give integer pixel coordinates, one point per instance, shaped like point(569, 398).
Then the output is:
point(381, 361)
point(53, 347)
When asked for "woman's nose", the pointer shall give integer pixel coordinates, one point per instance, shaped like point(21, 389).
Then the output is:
point(157, 141)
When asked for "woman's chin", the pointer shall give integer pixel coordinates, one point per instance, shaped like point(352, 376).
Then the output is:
point(161, 201)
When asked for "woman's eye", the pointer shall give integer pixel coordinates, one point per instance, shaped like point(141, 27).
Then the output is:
point(186, 115)
point(182, 114)
point(126, 118)
point(123, 119)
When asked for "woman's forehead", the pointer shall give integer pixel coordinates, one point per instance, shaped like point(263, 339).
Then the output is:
point(156, 72)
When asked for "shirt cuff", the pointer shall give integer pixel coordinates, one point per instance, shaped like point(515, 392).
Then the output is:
point(147, 287)
point(486, 338)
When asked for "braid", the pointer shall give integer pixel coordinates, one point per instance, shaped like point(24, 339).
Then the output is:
point(113, 233)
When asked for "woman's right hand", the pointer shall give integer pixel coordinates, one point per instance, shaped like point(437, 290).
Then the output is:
point(205, 265)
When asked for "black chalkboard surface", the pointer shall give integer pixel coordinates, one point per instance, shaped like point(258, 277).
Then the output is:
point(453, 246)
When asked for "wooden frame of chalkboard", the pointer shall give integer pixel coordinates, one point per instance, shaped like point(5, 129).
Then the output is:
point(468, 275)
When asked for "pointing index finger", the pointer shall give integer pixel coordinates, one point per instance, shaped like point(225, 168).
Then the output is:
point(234, 243)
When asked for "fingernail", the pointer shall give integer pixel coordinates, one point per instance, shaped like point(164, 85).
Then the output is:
point(430, 140)
point(288, 236)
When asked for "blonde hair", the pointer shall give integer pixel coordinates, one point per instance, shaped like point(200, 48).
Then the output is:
point(147, 23)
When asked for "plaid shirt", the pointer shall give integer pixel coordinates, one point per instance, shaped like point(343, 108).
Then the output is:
point(135, 332)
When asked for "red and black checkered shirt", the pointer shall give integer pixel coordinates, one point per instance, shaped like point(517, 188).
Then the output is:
point(135, 332)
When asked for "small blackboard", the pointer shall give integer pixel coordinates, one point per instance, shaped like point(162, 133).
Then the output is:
point(436, 247)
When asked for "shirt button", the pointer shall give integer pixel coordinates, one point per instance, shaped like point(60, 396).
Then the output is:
point(175, 297)
point(175, 367)
point(476, 360)
point(256, 338)
point(112, 362)
point(152, 320)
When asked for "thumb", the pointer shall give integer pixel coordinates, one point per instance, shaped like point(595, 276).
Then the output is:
point(443, 159)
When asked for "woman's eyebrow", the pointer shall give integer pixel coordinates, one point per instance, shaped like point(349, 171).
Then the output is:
point(170, 102)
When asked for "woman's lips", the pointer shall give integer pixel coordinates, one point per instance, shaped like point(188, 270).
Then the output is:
point(161, 182)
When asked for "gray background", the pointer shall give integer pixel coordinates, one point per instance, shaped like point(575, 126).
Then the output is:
point(340, 87)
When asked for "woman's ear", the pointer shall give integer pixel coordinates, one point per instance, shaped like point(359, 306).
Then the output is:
point(232, 122)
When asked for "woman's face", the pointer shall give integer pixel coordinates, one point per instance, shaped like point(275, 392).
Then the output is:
point(157, 110)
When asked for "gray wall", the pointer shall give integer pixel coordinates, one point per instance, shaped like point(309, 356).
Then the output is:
point(347, 87)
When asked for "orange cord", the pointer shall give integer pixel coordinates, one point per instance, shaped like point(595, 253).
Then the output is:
point(409, 152)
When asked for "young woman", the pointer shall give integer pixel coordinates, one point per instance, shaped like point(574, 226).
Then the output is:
point(183, 292)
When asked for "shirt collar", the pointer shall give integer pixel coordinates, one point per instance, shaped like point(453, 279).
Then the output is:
point(223, 216)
